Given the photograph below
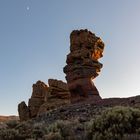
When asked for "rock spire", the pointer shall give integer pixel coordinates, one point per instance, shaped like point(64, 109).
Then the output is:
point(83, 65)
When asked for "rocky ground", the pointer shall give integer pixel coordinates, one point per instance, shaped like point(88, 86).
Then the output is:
point(78, 122)
point(86, 110)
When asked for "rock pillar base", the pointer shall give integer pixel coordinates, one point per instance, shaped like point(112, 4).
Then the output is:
point(82, 89)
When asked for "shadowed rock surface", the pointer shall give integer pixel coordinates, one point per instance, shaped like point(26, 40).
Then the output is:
point(44, 98)
point(87, 109)
point(58, 95)
point(38, 97)
point(24, 112)
point(82, 64)
point(58, 89)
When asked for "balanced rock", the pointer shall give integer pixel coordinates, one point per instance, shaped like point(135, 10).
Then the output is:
point(82, 64)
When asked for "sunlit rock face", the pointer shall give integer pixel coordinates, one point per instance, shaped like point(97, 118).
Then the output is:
point(82, 64)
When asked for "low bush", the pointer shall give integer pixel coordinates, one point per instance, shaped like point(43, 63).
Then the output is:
point(114, 123)
point(12, 123)
point(8, 134)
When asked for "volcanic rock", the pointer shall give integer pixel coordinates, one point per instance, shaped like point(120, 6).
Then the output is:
point(24, 113)
point(58, 95)
point(44, 98)
point(58, 89)
point(39, 96)
point(82, 64)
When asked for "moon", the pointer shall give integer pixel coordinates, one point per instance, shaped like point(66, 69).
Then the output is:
point(28, 8)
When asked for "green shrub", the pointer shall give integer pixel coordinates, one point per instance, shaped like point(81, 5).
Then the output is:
point(114, 123)
point(12, 123)
point(37, 133)
point(67, 130)
point(53, 136)
point(8, 134)
point(25, 130)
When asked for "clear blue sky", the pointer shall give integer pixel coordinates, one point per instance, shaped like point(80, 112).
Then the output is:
point(34, 42)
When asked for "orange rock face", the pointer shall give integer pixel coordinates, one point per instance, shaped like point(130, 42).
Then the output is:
point(82, 64)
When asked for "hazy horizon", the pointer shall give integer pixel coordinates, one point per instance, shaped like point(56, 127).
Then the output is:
point(35, 41)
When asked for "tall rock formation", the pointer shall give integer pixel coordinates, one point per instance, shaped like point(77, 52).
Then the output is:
point(82, 64)
point(82, 67)
point(24, 113)
point(39, 96)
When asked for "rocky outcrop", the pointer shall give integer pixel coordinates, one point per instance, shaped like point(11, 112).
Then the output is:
point(58, 95)
point(82, 67)
point(44, 98)
point(24, 113)
point(39, 96)
point(82, 64)
point(58, 89)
